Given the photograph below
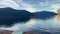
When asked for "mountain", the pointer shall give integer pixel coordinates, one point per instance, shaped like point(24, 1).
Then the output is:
point(44, 14)
point(9, 16)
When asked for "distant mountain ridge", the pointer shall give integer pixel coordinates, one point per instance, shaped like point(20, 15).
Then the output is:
point(44, 14)
point(9, 16)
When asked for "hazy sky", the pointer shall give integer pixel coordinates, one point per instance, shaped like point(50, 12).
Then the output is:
point(32, 5)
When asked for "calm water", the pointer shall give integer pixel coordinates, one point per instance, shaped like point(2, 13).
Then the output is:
point(49, 25)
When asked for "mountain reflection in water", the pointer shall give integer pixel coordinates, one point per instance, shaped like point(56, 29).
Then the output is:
point(50, 25)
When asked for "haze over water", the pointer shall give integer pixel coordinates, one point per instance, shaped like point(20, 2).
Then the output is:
point(51, 25)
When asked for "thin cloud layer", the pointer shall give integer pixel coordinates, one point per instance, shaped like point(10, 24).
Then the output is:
point(32, 5)
point(9, 3)
point(37, 5)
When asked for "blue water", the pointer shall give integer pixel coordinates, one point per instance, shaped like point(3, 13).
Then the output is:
point(51, 25)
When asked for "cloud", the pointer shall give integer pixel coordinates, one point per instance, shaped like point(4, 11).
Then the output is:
point(26, 6)
point(30, 5)
point(9, 3)
point(55, 7)
point(46, 3)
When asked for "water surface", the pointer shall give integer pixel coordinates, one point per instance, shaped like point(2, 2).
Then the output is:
point(51, 25)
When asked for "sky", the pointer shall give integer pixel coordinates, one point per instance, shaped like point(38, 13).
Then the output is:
point(31, 5)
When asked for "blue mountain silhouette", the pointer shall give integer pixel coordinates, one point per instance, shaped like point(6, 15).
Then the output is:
point(9, 16)
point(44, 14)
